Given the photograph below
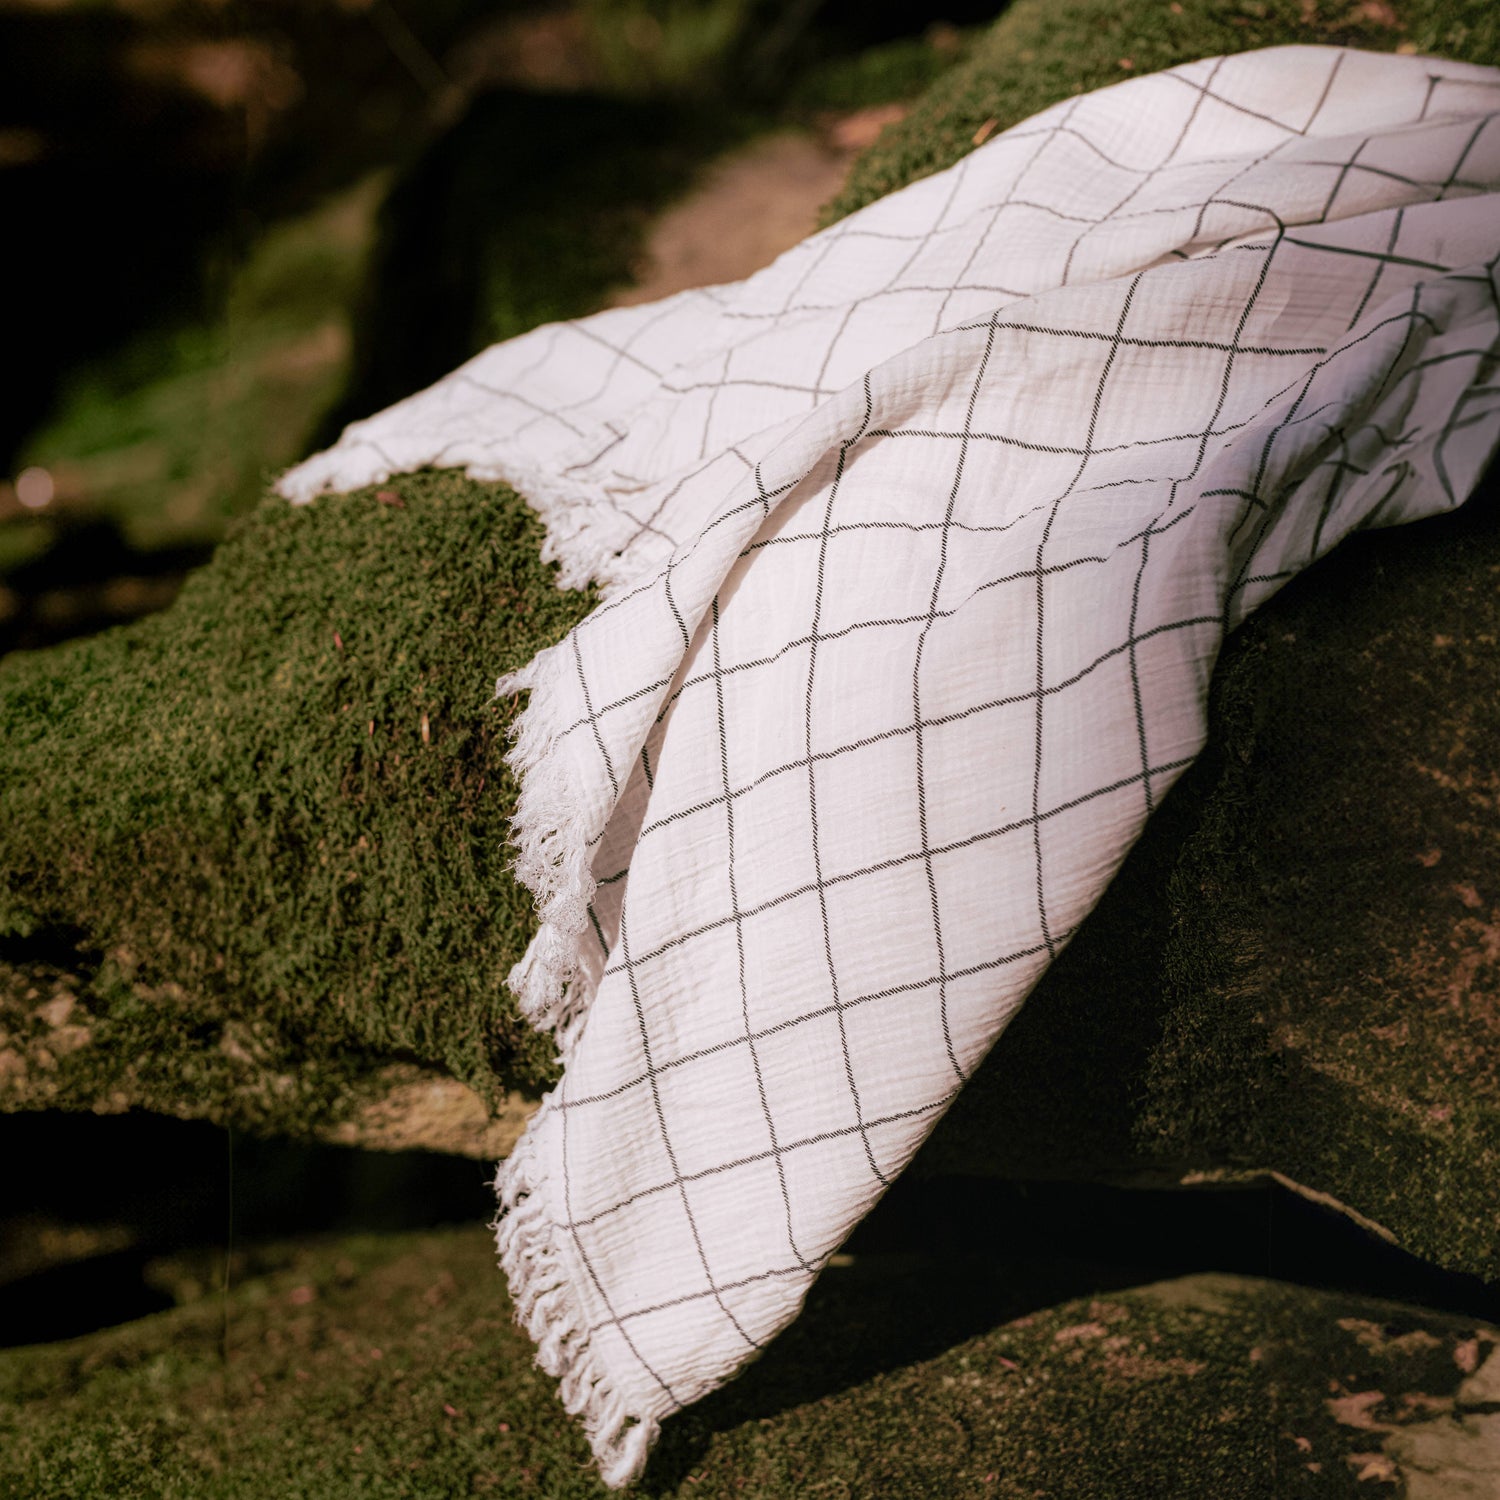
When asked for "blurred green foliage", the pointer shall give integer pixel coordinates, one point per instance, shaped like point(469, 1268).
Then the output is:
point(176, 433)
point(887, 74)
point(655, 47)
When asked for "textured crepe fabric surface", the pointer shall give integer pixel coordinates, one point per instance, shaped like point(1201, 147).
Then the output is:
point(919, 547)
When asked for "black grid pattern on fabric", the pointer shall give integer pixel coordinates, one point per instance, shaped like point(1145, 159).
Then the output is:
point(1146, 779)
point(729, 753)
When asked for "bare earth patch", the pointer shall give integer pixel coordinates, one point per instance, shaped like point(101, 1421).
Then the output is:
point(752, 206)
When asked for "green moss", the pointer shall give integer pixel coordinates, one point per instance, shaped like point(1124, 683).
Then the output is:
point(390, 1367)
point(1041, 51)
point(172, 434)
point(285, 795)
point(1371, 861)
point(97, 1035)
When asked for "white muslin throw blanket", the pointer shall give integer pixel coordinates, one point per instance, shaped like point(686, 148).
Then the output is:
point(920, 546)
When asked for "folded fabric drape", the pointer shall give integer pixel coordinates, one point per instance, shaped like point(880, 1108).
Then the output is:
point(920, 546)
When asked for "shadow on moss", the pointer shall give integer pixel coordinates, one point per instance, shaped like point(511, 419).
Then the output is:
point(1283, 974)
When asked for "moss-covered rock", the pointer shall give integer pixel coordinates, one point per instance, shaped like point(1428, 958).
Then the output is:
point(390, 1367)
point(259, 840)
point(1298, 969)
point(269, 824)
point(1040, 51)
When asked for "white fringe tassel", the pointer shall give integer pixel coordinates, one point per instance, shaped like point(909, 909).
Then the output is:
point(554, 838)
point(547, 1308)
point(554, 852)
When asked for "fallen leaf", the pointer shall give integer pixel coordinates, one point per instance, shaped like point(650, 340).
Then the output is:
point(985, 131)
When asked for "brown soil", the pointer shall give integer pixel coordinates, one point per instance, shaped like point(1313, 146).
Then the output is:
point(751, 206)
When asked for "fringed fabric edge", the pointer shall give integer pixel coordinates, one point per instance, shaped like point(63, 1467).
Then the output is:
point(553, 844)
point(548, 1308)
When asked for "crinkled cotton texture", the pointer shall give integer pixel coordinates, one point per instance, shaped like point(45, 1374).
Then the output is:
point(921, 545)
